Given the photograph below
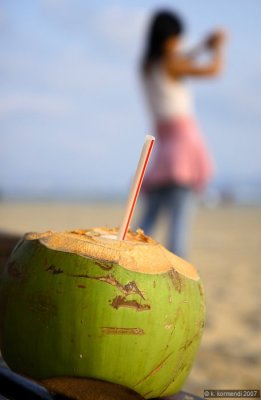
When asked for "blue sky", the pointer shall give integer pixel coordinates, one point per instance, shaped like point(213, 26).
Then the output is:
point(72, 117)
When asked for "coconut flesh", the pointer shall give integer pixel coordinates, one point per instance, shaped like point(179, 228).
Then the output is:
point(83, 304)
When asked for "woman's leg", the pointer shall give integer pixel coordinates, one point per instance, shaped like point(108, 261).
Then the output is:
point(153, 203)
point(180, 203)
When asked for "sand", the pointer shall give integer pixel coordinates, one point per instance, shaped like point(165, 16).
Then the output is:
point(225, 247)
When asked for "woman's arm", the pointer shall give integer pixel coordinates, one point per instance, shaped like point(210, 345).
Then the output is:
point(180, 66)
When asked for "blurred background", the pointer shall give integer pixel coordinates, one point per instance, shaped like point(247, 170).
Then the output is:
point(72, 122)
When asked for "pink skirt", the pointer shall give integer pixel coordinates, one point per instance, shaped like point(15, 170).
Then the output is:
point(179, 156)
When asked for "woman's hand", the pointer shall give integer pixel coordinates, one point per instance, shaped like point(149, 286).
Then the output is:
point(216, 39)
point(178, 66)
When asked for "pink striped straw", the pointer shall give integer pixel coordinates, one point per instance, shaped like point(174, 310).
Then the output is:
point(136, 185)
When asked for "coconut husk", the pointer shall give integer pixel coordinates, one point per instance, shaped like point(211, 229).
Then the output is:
point(7, 243)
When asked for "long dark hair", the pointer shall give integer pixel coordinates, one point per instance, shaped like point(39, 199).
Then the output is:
point(163, 25)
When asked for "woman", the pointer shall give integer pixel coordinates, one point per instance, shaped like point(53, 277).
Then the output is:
point(181, 163)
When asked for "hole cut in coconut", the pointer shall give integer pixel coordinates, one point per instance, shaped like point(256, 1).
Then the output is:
point(111, 237)
point(138, 252)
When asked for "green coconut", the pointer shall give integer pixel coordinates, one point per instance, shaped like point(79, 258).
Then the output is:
point(83, 304)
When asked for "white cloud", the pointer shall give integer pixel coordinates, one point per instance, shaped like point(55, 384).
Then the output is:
point(85, 73)
point(122, 25)
point(29, 102)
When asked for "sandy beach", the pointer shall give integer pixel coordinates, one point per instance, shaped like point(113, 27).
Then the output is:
point(226, 248)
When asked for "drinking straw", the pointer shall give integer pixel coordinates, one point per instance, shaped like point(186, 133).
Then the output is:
point(136, 185)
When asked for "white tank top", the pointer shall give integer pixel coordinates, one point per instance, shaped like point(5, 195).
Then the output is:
point(167, 97)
